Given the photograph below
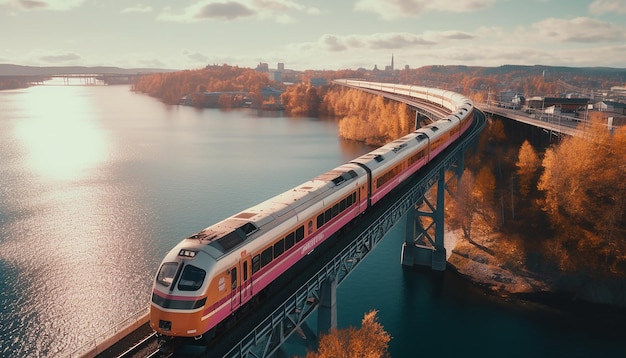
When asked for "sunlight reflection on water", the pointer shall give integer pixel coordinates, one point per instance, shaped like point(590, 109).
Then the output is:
point(97, 183)
point(60, 134)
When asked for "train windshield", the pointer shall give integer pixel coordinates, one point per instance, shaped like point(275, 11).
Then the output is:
point(167, 273)
point(191, 279)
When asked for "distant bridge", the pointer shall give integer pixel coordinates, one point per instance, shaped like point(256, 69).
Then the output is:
point(85, 79)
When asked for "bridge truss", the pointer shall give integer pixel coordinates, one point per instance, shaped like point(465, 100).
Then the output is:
point(267, 337)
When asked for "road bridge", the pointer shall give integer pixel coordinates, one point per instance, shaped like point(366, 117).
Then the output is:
point(81, 79)
point(552, 123)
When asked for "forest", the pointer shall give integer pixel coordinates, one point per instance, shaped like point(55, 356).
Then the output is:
point(170, 87)
point(559, 211)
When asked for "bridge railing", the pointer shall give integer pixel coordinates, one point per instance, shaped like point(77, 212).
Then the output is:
point(265, 339)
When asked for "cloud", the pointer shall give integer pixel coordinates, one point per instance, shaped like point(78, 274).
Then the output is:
point(230, 10)
point(277, 5)
point(599, 7)
point(393, 9)
point(579, 29)
point(389, 41)
point(279, 11)
point(68, 57)
point(137, 8)
point(313, 11)
point(195, 56)
point(56, 5)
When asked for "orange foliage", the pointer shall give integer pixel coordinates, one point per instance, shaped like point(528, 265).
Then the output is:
point(585, 192)
point(171, 86)
point(370, 341)
point(368, 118)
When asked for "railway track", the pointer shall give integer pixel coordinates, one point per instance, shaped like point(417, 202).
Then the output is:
point(147, 347)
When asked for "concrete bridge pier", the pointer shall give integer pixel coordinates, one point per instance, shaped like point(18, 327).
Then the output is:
point(419, 247)
point(327, 310)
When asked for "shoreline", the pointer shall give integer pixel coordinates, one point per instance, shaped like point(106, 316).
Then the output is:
point(564, 293)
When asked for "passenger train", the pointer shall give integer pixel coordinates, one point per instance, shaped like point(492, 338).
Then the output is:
point(210, 276)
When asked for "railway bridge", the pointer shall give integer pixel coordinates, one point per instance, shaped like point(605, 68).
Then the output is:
point(313, 290)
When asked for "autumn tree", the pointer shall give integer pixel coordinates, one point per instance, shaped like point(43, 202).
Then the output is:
point(370, 341)
point(527, 164)
point(583, 182)
point(171, 86)
point(301, 100)
point(466, 204)
point(368, 118)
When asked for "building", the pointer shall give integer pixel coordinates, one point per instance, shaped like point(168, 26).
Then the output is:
point(390, 67)
point(275, 75)
point(610, 106)
point(318, 81)
point(565, 105)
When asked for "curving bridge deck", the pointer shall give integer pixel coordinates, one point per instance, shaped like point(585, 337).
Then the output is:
point(262, 334)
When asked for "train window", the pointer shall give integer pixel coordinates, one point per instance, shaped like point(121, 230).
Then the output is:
point(327, 216)
point(299, 234)
point(342, 205)
point(416, 157)
point(320, 220)
point(192, 278)
point(354, 197)
point(266, 256)
point(335, 211)
point(233, 278)
point(245, 271)
point(338, 180)
point(290, 240)
point(310, 227)
point(256, 264)
point(279, 248)
point(248, 228)
point(167, 273)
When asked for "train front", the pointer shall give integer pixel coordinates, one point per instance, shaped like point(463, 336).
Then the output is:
point(179, 293)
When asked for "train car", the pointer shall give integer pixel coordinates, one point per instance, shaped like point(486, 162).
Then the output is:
point(393, 163)
point(207, 278)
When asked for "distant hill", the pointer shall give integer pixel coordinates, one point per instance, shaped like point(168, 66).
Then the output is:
point(17, 70)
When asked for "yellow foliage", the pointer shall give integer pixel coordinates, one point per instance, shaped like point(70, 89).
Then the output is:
point(370, 341)
point(368, 118)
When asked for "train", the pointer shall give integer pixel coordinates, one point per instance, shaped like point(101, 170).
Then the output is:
point(209, 277)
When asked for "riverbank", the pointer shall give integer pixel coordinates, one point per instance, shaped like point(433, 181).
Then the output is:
point(480, 264)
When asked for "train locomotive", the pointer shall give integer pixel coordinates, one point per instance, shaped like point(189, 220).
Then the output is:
point(208, 277)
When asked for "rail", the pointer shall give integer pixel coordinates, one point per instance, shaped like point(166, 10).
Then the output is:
point(105, 340)
point(340, 267)
point(265, 339)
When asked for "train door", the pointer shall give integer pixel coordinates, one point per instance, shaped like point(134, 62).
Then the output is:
point(246, 280)
point(235, 297)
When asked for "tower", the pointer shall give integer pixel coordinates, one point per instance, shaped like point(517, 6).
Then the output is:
point(392, 61)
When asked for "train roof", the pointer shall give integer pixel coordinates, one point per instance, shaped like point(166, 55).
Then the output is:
point(230, 232)
point(377, 156)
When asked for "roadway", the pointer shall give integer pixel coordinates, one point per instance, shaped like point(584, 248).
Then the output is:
point(551, 122)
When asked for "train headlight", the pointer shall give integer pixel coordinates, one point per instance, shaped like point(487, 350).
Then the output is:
point(187, 253)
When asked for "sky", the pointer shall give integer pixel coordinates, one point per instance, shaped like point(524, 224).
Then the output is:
point(313, 34)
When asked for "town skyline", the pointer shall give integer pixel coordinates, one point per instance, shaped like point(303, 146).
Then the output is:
point(329, 35)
